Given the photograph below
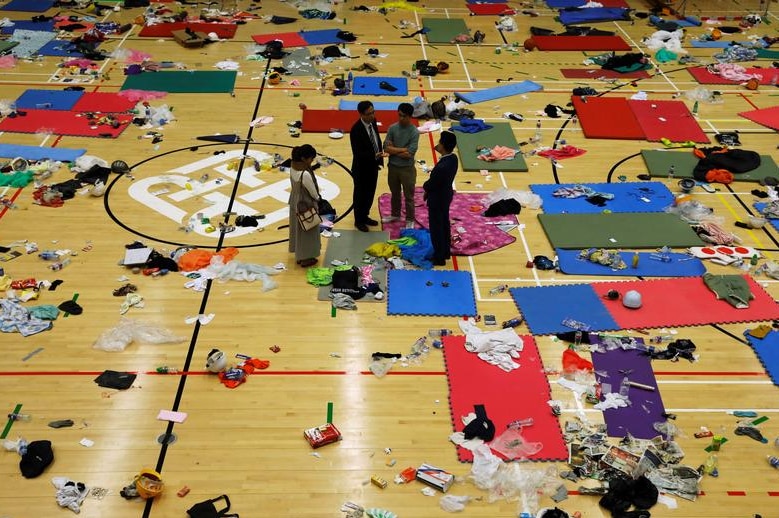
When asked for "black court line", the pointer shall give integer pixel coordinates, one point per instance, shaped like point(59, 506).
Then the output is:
point(204, 300)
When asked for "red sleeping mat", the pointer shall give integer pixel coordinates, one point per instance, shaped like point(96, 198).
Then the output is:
point(683, 301)
point(490, 9)
point(103, 102)
point(768, 117)
point(607, 117)
point(580, 43)
point(165, 30)
point(596, 73)
point(667, 119)
point(325, 121)
point(290, 39)
point(705, 77)
point(506, 396)
point(62, 123)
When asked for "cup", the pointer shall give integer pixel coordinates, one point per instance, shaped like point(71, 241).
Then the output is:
point(686, 185)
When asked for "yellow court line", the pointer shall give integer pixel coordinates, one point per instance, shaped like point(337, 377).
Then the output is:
point(738, 218)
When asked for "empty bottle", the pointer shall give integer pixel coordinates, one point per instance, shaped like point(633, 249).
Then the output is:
point(513, 322)
point(438, 333)
point(773, 461)
point(624, 387)
point(710, 467)
point(19, 417)
point(671, 171)
point(48, 255)
point(521, 423)
point(167, 370)
point(499, 289)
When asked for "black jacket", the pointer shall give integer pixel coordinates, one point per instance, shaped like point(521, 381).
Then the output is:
point(364, 156)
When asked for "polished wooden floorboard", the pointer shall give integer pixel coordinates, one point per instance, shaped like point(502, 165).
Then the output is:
point(247, 442)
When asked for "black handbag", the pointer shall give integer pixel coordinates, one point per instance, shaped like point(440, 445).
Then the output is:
point(207, 509)
point(325, 208)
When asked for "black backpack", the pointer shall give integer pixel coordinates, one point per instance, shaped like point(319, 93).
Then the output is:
point(274, 49)
point(332, 51)
point(346, 279)
point(207, 509)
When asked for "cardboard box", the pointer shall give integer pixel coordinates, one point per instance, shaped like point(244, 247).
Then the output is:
point(194, 40)
point(321, 435)
point(435, 477)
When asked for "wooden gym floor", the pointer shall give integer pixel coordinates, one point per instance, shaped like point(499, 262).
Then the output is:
point(247, 442)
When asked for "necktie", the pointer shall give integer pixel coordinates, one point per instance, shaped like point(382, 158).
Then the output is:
point(374, 138)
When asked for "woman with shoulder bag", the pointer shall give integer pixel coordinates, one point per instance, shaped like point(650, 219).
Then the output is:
point(304, 219)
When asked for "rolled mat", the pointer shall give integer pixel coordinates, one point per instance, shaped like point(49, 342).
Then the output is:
point(507, 396)
point(325, 121)
point(490, 94)
point(646, 406)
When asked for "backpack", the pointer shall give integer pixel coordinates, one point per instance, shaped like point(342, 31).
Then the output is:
point(346, 279)
point(422, 109)
point(428, 70)
point(207, 509)
point(439, 109)
point(273, 50)
point(346, 36)
point(332, 51)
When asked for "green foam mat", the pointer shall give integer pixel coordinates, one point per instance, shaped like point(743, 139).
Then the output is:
point(767, 54)
point(626, 230)
point(183, 81)
point(443, 30)
point(6, 46)
point(351, 247)
point(500, 134)
point(658, 162)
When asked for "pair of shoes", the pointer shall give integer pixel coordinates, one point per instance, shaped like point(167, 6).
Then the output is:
point(439, 262)
point(305, 263)
point(410, 224)
point(384, 85)
point(362, 227)
point(390, 219)
point(371, 222)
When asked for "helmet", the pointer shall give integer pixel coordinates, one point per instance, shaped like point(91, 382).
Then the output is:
point(120, 167)
point(148, 483)
point(216, 361)
point(632, 299)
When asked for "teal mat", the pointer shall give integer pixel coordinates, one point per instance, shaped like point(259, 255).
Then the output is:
point(183, 81)
point(658, 162)
point(443, 30)
point(500, 134)
point(624, 230)
point(767, 54)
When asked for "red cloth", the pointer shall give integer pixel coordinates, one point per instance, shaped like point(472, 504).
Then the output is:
point(562, 152)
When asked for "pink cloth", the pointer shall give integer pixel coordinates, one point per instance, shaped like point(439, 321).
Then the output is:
point(8, 61)
point(472, 233)
point(562, 152)
point(142, 95)
point(498, 153)
point(733, 72)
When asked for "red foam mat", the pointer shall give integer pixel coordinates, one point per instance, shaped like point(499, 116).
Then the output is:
point(325, 121)
point(705, 77)
point(683, 301)
point(165, 30)
point(103, 102)
point(290, 39)
point(490, 9)
point(768, 117)
point(506, 396)
point(607, 117)
point(669, 119)
point(62, 123)
point(596, 73)
point(580, 43)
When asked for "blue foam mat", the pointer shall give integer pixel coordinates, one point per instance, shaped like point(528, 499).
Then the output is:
point(377, 105)
point(12, 151)
point(689, 21)
point(408, 293)
point(773, 221)
point(719, 44)
point(545, 308)
point(60, 48)
point(767, 351)
point(321, 37)
point(560, 4)
point(681, 265)
point(28, 25)
point(48, 99)
point(498, 92)
point(28, 6)
point(593, 15)
point(370, 86)
point(628, 197)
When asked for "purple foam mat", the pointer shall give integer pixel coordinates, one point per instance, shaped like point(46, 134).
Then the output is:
point(646, 406)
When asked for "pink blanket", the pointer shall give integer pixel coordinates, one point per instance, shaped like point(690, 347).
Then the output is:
point(472, 233)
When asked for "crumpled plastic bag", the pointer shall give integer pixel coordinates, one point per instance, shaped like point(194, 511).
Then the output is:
point(128, 331)
point(527, 199)
point(453, 503)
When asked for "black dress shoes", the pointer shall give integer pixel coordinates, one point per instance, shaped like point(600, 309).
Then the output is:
point(362, 227)
point(371, 222)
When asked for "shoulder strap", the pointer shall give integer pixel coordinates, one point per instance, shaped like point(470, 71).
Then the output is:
point(313, 177)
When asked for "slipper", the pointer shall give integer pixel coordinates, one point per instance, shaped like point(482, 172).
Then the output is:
point(386, 86)
point(261, 121)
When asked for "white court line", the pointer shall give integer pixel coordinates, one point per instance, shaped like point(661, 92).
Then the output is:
point(638, 47)
point(521, 231)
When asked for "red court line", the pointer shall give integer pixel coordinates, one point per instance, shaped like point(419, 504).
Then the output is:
point(773, 493)
point(737, 493)
point(753, 105)
point(13, 199)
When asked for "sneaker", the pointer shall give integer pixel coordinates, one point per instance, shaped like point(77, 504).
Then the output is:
point(390, 219)
point(410, 224)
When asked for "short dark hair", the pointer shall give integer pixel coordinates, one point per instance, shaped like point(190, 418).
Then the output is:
point(364, 106)
point(448, 140)
point(406, 109)
point(303, 152)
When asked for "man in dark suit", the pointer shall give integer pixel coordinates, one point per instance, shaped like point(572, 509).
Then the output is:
point(439, 194)
point(367, 159)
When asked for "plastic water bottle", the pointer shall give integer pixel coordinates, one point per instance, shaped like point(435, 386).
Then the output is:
point(499, 289)
point(624, 387)
point(167, 370)
point(521, 423)
point(513, 322)
point(19, 417)
point(438, 333)
point(48, 255)
point(773, 461)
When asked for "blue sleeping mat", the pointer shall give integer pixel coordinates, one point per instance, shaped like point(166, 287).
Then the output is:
point(12, 151)
point(345, 105)
point(29, 6)
point(322, 37)
point(719, 44)
point(48, 99)
point(544, 314)
point(372, 86)
point(628, 197)
point(689, 21)
point(562, 4)
point(593, 15)
point(767, 351)
point(60, 48)
point(28, 25)
point(490, 94)
point(430, 293)
point(681, 265)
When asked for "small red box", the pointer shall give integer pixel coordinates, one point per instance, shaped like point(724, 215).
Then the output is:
point(321, 435)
